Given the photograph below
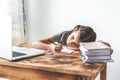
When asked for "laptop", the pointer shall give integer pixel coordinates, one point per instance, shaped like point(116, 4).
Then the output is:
point(7, 50)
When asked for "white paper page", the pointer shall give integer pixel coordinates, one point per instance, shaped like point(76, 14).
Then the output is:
point(65, 50)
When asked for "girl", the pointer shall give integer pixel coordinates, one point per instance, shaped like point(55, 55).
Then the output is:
point(70, 38)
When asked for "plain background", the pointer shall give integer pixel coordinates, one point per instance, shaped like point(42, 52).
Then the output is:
point(47, 17)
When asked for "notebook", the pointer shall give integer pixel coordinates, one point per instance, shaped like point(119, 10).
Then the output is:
point(7, 50)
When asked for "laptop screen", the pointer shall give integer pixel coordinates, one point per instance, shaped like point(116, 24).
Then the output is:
point(6, 37)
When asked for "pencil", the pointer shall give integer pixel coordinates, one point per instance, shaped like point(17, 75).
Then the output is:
point(52, 42)
point(55, 43)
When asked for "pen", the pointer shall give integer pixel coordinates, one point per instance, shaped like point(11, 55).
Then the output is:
point(56, 43)
point(52, 42)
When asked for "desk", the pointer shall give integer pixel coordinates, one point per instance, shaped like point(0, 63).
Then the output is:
point(52, 67)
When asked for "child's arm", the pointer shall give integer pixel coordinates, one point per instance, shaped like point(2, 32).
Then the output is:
point(45, 45)
point(42, 44)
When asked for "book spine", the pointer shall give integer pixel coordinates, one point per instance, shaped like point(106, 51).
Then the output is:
point(85, 59)
point(97, 57)
point(97, 53)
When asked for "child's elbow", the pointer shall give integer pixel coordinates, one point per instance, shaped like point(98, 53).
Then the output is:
point(34, 44)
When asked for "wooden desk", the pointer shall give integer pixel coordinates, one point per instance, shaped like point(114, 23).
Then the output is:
point(52, 67)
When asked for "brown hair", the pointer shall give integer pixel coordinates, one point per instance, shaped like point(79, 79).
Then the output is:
point(87, 34)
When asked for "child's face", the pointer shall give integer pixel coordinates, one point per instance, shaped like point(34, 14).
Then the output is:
point(74, 39)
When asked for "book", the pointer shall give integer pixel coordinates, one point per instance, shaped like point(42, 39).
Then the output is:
point(97, 57)
point(95, 52)
point(94, 45)
point(94, 48)
point(84, 59)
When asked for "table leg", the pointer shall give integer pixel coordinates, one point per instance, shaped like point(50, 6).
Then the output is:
point(83, 78)
point(91, 78)
point(103, 73)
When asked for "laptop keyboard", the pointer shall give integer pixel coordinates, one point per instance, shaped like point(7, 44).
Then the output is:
point(19, 51)
point(15, 54)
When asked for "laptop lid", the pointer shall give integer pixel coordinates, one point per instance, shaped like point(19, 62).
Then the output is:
point(7, 50)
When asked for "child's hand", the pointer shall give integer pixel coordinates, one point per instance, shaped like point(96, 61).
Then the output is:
point(56, 48)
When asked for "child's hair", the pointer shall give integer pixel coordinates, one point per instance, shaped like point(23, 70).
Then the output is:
point(87, 34)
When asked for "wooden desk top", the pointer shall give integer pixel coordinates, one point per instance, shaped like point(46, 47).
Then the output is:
point(62, 63)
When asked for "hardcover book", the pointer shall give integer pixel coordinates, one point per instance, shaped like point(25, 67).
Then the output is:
point(94, 48)
point(84, 59)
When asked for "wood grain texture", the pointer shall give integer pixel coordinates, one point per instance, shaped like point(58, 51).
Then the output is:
point(68, 64)
point(14, 73)
point(103, 73)
point(51, 67)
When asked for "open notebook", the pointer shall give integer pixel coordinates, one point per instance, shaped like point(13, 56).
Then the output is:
point(65, 50)
point(7, 50)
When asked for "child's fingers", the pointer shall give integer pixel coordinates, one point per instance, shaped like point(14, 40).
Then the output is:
point(58, 48)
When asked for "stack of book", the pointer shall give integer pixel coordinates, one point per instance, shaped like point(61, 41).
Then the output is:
point(95, 52)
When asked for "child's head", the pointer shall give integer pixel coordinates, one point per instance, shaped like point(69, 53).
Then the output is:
point(87, 34)
point(81, 34)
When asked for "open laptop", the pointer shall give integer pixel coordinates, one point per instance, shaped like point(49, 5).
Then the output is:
point(7, 50)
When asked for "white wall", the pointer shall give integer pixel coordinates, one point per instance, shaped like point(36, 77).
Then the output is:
point(46, 17)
